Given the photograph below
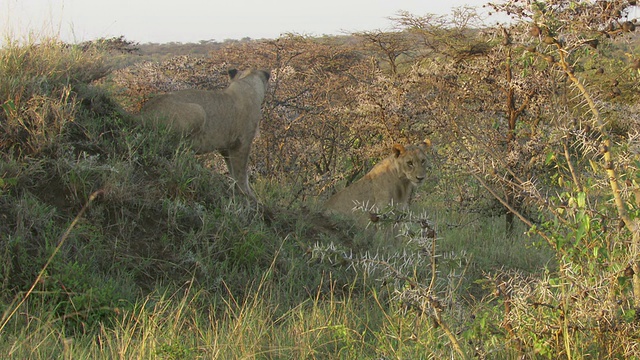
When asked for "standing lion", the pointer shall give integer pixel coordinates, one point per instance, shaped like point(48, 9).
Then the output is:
point(226, 121)
point(390, 182)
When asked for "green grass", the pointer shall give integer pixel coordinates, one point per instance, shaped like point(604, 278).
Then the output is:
point(251, 293)
point(177, 326)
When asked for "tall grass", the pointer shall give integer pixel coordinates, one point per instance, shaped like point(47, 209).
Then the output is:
point(177, 326)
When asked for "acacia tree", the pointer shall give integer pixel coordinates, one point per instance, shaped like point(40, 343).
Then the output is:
point(391, 45)
point(568, 33)
point(472, 70)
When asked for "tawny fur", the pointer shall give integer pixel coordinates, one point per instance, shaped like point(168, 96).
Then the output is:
point(226, 120)
point(390, 182)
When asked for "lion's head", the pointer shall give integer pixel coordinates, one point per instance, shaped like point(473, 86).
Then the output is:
point(411, 162)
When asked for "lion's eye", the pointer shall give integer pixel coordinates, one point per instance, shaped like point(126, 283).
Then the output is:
point(410, 163)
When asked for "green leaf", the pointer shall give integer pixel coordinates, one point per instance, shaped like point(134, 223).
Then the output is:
point(550, 157)
point(629, 315)
point(623, 281)
point(581, 199)
point(9, 106)
point(584, 226)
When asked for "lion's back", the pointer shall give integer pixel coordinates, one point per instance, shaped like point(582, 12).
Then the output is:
point(374, 191)
point(344, 201)
point(213, 102)
point(210, 118)
point(170, 111)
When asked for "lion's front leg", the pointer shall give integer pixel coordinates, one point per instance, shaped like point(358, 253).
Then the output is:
point(237, 161)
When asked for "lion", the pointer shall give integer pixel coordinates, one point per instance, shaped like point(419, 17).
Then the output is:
point(390, 183)
point(224, 120)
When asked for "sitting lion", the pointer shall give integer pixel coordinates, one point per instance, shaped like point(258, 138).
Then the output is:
point(390, 182)
point(226, 120)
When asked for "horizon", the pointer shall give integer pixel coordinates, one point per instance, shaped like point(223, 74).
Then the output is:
point(75, 21)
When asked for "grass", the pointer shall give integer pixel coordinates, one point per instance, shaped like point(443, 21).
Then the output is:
point(175, 326)
point(285, 311)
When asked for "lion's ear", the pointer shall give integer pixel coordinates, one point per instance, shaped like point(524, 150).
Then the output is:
point(425, 144)
point(232, 73)
point(398, 150)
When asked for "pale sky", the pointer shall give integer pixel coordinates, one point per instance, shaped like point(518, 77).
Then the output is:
point(162, 21)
